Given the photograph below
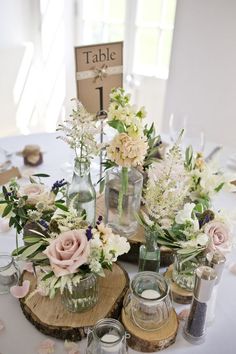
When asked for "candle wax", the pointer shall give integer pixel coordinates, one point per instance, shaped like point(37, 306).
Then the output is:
point(150, 294)
point(109, 339)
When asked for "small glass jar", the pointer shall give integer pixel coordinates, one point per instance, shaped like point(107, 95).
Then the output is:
point(9, 273)
point(107, 336)
point(82, 296)
point(148, 303)
point(184, 270)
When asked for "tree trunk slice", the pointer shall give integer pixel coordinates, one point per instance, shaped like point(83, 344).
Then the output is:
point(51, 318)
point(180, 295)
point(136, 241)
point(148, 342)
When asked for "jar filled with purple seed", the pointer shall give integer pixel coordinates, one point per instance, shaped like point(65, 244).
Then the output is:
point(195, 327)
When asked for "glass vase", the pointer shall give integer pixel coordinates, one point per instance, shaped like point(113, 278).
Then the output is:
point(184, 270)
point(81, 195)
point(82, 296)
point(123, 191)
point(107, 336)
point(149, 253)
point(148, 303)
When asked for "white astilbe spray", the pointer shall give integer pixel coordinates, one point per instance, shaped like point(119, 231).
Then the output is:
point(167, 188)
point(80, 132)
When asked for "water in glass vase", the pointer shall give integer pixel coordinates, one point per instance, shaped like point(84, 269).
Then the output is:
point(149, 254)
point(81, 195)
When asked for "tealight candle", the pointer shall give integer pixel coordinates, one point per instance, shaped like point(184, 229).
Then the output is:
point(150, 294)
point(107, 340)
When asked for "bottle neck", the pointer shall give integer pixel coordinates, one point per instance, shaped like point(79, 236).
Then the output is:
point(82, 169)
point(151, 240)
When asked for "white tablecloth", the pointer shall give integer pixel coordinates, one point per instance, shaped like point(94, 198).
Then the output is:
point(20, 336)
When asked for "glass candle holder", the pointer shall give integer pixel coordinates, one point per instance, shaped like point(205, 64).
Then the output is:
point(107, 336)
point(148, 303)
point(9, 273)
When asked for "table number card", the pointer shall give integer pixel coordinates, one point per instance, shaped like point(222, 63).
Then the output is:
point(99, 68)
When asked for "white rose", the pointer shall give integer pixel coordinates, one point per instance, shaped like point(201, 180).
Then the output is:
point(36, 193)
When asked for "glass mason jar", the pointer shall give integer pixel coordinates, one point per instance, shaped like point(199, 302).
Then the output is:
point(149, 254)
point(148, 303)
point(81, 195)
point(107, 336)
point(184, 270)
point(83, 296)
point(123, 189)
point(9, 273)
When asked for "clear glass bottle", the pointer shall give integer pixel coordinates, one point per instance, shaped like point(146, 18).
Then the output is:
point(107, 336)
point(149, 254)
point(83, 296)
point(81, 195)
point(195, 326)
point(9, 273)
point(123, 189)
point(148, 303)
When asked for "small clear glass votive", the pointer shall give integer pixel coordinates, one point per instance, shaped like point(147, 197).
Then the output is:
point(107, 336)
point(148, 303)
point(9, 273)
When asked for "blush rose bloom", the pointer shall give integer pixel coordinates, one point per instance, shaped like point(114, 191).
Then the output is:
point(68, 252)
point(219, 236)
point(36, 193)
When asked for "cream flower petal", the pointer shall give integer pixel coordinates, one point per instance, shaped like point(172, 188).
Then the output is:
point(20, 291)
point(183, 315)
point(1, 325)
point(46, 347)
point(71, 347)
point(28, 266)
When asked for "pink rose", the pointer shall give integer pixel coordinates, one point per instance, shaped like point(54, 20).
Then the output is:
point(68, 252)
point(36, 193)
point(219, 236)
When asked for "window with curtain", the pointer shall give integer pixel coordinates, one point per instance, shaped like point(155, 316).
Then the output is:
point(146, 26)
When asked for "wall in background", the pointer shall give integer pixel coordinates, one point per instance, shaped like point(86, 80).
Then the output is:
point(202, 81)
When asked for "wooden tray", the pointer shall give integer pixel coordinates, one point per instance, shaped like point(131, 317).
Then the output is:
point(180, 295)
point(148, 342)
point(136, 241)
point(51, 318)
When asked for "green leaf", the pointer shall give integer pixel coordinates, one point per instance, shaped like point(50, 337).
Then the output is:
point(47, 276)
point(7, 210)
point(31, 239)
point(41, 175)
point(61, 206)
point(219, 187)
point(19, 251)
point(118, 125)
point(3, 202)
point(31, 249)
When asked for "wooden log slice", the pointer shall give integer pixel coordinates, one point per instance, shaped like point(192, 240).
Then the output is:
point(148, 342)
point(136, 241)
point(180, 295)
point(51, 318)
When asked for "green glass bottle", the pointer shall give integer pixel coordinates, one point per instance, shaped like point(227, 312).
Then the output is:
point(149, 253)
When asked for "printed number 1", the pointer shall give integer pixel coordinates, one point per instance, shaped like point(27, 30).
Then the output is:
point(100, 97)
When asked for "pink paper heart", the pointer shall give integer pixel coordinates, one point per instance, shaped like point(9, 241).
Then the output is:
point(20, 291)
point(4, 225)
point(1, 326)
point(183, 315)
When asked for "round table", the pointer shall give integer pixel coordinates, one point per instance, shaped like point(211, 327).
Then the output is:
point(20, 337)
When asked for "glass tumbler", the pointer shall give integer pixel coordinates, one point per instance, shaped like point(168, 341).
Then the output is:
point(9, 273)
point(107, 336)
point(148, 303)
